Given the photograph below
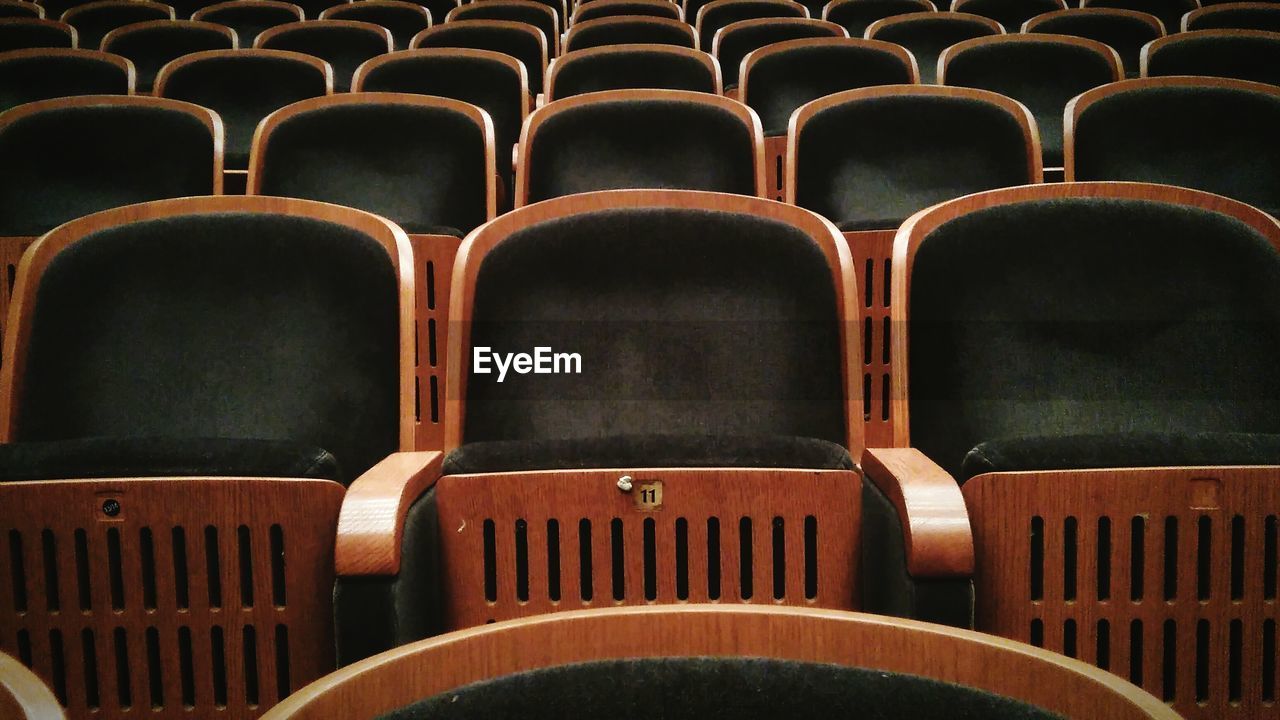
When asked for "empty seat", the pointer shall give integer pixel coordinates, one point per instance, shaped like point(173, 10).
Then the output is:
point(94, 20)
point(624, 139)
point(22, 33)
point(1170, 12)
point(719, 13)
point(243, 87)
point(23, 695)
point(1042, 72)
point(629, 30)
point(149, 45)
point(564, 10)
point(1095, 363)
point(1241, 54)
point(529, 12)
point(1213, 134)
point(53, 9)
point(749, 663)
point(1009, 13)
point(23, 9)
point(344, 44)
point(737, 40)
point(611, 8)
point(45, 73)
point(404, 19)
point(618, 67)
point(250, 357)
point(249, 17)
point(522, 42)
point(856, 15)
point(926, 35)
point(1126, 31)
point(1237, 16)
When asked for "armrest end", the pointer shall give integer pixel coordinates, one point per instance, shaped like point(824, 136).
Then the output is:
point(371, 522)
point(935, 521)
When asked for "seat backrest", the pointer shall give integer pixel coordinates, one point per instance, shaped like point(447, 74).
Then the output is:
point(781, 77)
point(719, 13)
point(70, 157)
point(1042, 72)
point(243, 87)
point(619, 67)
point(1213, 134)
point(1125, 31)
point(1241, 54)
point(151, 44)
point(404, 19)
point(629, 30)
point(1009, 13)
point(628, 280)
point(94, 20)
point(522, 42)
point(529, 12)
point(868, 158)
point(623, 139)
point(613, 8)
point(1082, 309)
point(250, 17)
point(23, 9)
point(926, 35)
point(856, 15)
point(22, 33)
point(45, 73)
point(426, 163)
point(737, 40)
point(1238, 16)
point(1170, 12)
point(344, 44)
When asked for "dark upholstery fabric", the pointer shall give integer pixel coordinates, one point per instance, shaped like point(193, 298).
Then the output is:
point(249, 21)
point(21, 33)
point(927, 36)
point(163, 457)
point(19, 11)
point(1126, 35)
point(673, 451)
point(871, 163)
point(243, 89)
point(403, 22)
point(534, 16)
point(735, 43)
point(517, 43)
point(618, 31)
point(688, 322)
point(720, 16)
point(421, 167)
point(439, 9)
point(1083, 452)
point(1009, 13)
point(24, 80)
point(342, 47)
point(64, 163)
point(855, 16)
point(53, 9)
point(597, 11)
point(641, 144)
point(1170, 12)
point(1251, 18)
point(691, 8)
point(718, 688)
point(1240, 57)
point(151, 48)
point(223, 325)
point(780, 83)
point(93, 23)
point(647, 68)
point(1217, 139)
point(1091, 316)
point(1044, 76)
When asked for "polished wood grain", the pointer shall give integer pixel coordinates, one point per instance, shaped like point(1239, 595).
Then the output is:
point(474, 9)
point(664, 6)
point(446, 28)
point(1154, 22)
point(586, 25)
point(557, 66)
point(42, 22)
point(836, 31)
point(1105, 52)
point(173, 66)
point(935, 524)
point(23, 695)
point(878, 26)
point(1162, 575)
point(1190, 19)
point(397, 678)
point(371, 523)
point(124, 64)
point(1155, 46)
point(740, 113)
point(267, 35)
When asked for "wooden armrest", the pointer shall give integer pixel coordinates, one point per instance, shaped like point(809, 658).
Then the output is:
point(371, 522)
point(935, 523)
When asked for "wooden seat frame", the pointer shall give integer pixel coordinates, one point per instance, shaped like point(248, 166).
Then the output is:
point(1191, 35)
point(23, 695)
point(835, 29)
point(553, 40)
point(1198, 13)
point(800, 12)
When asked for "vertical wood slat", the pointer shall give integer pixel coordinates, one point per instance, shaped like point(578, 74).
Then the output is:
point(876, 247)
point(436, 251)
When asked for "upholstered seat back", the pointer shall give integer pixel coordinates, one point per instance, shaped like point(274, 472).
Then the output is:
point(27, 76)
point(403, 19)
point(218, 325)
point(687, 322)
point(93, 21)
point(344, 44)
point(1240, 54)
point(1081, 316)
point(1170, 12)
point(1009, 13)
point(20, 33)
point(20, 9)
point(736, 40)
point(71, 160)
point(626, 30)
point(1124, 31)
point(856, 15)
point(150, 45)
point(504, 36)
point(530, 13)
point(719, 14)
point(250, 17)
point(631, 66)
point(612, 8)
point(1240, 16)
point(926, 35)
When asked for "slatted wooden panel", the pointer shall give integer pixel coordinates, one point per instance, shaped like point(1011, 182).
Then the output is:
point(169, 598)
point(872, 257)
point(531, 543)
point(433, 269)
point(775, 163)
point(1166, 577)
point(11, 249)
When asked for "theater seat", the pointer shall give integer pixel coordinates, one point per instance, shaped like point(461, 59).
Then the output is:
point(249, 17)
point(46, 73)
point(621, 67)
point(1125, 31)
point(151, 44)
point(629, 30)
point(1234, 16)
point(23, 33)
point(344, 44)
point(529, 12)
point(1009, 13)
point(94, 20)
point(23, 695)
point(856, 15)
point(523, 42)
point(404, 19)
point(613, 8)
point(737, 40)
point(1170, 12)
point(20, 9)
point(1241, 54)
point(719, 13)
point(926, 35)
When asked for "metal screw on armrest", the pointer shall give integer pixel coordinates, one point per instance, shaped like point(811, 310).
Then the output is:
point(624, 483)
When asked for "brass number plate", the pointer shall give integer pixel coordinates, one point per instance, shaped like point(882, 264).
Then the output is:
point(649, 496)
